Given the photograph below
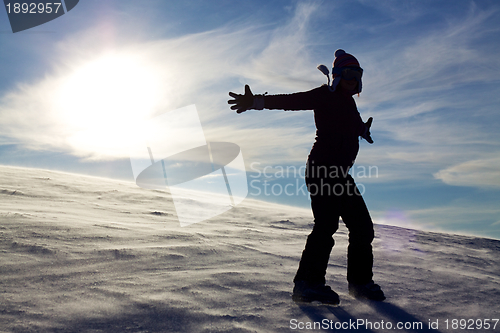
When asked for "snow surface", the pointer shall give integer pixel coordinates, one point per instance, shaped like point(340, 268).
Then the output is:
point(86, 254)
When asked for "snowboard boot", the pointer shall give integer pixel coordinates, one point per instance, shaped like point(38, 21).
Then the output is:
point(369, 291)
point(309, 292)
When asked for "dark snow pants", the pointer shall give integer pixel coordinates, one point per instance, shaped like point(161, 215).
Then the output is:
point(331, 198)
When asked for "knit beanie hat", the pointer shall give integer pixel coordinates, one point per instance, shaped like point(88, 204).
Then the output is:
point(343, 60)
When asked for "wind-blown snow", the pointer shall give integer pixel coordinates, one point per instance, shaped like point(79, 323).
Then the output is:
point(84, 254)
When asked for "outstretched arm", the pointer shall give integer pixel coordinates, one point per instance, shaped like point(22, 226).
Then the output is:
point(307, 100)
point(247, 101)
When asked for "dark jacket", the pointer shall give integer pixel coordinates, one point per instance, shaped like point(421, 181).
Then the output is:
point(338, 123)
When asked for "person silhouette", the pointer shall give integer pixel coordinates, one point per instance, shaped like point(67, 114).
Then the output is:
point(332, 190)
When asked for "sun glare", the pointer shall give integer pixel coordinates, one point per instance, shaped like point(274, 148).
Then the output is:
point(102, 100)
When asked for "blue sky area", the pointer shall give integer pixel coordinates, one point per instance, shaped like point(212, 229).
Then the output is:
point(72, 89)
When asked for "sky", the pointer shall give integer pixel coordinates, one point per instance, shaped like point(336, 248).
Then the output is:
point(73, 90)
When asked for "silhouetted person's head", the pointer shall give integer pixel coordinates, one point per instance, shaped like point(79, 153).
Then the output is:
point(347, 72)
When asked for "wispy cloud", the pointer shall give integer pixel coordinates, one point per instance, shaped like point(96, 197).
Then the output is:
point(422, 125)
point(460, 216)
point(434, 60)
point(286, 62)
point(432, 97)
point(476, 173)
point(176, 72)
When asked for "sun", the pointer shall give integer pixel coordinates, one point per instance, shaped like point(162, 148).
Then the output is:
point(100, 101)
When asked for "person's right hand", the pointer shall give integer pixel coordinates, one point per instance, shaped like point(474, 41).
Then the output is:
point(241, 103)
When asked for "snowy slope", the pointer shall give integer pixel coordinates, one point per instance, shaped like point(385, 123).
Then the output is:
point(84, 254)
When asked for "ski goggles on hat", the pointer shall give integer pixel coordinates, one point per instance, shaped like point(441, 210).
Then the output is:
point(352, 73)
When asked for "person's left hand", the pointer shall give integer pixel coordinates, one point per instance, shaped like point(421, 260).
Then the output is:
point(366, 135)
